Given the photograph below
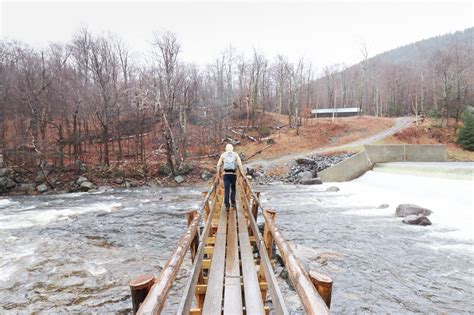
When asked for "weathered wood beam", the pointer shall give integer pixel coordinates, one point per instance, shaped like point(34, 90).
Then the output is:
point(310, 298)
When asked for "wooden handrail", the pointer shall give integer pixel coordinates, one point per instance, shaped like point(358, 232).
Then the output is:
point(266, 266)
point(310, 298)
point(187, 299)
point(156, 298)
point(254, 196)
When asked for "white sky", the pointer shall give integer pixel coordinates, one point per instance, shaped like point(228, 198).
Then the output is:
point(322, 32)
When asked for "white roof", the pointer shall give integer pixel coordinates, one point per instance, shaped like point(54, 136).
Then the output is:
point(335, 110)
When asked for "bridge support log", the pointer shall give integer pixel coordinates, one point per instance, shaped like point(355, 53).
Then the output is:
point(139, 287)
point(323, 284)
point(310, 298)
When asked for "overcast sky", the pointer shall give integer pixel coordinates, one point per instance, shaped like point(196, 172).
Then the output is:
point(322, 32)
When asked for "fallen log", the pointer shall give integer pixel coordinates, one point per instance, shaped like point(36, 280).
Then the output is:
point(207, 156)
point(232, 141)
point(244, 135)
point(282, 126)
point(257, 152)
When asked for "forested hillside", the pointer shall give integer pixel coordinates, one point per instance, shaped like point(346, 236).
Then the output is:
point(432, 77)
point(93, 101)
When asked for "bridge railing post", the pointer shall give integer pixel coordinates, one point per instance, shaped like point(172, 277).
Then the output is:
point(195, 242)
point(323, 284)
point(255, 202)
point(139, 287)
point(267, 234)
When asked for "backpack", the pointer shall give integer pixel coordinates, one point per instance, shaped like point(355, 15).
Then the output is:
point(229, 161)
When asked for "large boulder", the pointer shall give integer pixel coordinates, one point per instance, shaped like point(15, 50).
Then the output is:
point(305, 161)
point(42, 188)
point(311, 181)
point(6, 183)
point(185, 169)
point(206, 175)
point(10, 183)
point(4, 171)
point(179, 179)
point(86, 186)
point(27, 188)
point(81, 180)
point(416, 220)
point(305, 175)
point(383, 206)
point(333, 189)
point(404, 210)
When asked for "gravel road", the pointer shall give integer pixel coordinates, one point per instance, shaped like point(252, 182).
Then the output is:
point(400, 123)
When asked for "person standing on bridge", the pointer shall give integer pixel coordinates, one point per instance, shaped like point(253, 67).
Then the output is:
point(230, 161)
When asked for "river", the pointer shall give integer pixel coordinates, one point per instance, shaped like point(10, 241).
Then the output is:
point(77, 252)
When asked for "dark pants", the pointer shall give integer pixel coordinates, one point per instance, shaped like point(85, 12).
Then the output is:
point(229, 182)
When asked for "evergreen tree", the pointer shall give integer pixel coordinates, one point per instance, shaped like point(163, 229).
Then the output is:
point(466, 133)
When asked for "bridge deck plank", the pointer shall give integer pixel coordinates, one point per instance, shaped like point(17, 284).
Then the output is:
point(233, 290)
point(213, 300)
point(252, 295)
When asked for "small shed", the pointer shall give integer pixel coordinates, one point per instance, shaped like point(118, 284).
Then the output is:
point(338, 112)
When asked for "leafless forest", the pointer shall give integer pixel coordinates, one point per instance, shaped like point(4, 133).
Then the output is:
point(93, 101)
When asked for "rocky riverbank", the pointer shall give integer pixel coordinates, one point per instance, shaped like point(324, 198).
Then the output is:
point(299, 171)
point(50, 180)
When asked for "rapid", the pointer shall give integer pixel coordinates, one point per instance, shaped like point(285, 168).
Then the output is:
point(77, 252)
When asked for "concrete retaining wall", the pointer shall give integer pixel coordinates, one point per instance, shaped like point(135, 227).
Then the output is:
point(406, 152)
point(425, 153)
point(348, 169)
point(360, 163)
point(384, 153)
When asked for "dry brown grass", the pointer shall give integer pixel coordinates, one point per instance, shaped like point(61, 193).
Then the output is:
point(316, 133)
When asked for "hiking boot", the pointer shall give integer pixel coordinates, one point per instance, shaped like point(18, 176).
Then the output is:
point(227, 208)
point(234, 207)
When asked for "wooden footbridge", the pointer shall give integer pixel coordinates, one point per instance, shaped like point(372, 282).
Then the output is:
point(232, 271)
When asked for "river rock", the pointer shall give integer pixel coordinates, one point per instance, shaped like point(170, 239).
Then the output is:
point(39, 178)
point(81, 180)
point(4, 171)
point(404, 210)
point(305, 161)
point(333, 189)
point(383, 206)
point(27, 188)
point(42, 188)
point(6, 183)
point(86, 186)
point(305, 175)
point(179, 179)
point(416, 220)
point(206, 175)
point(311, 181)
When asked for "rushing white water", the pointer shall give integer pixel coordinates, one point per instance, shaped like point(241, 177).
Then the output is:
point(451, 200)
point(77, 253)
point(378, 263)
point(28, 216)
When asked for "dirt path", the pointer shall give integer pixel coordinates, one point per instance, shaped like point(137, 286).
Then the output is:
point(400, 123)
